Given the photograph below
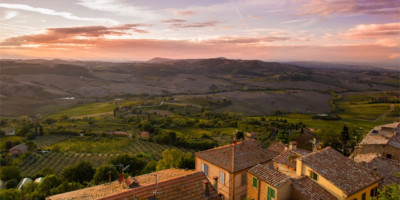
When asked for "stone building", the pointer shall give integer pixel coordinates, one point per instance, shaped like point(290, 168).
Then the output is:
point(383, 140)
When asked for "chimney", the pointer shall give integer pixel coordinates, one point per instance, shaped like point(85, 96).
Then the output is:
point(121, 178)
point(215, 183)
point(206, 189)
point(293, 145)
point(109, 176)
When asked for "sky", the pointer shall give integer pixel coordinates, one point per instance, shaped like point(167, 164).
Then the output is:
point(365, 31)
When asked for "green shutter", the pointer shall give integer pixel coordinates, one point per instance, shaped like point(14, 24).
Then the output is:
point(254, 182)
point(314, 176)
point(271, 193)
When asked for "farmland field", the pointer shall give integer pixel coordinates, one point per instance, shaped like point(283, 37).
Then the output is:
point(96, 150)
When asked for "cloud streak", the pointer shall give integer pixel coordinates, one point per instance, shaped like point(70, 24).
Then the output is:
point(65, 15)
point(329, 7)
point(73, 35)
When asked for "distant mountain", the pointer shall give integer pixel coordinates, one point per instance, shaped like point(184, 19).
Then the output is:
point(159, 60)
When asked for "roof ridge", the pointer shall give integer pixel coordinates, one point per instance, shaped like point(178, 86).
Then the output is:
point(220, 147)
point(315, 152)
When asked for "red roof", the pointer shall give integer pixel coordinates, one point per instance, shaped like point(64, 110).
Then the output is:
point(310, 190)
point(187, 187)
point(246, 154)
point(271, 177)
point(277, 147)
point(343, 172)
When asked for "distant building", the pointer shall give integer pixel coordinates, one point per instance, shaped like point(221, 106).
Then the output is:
point(169, 184)
point(383, 140)
point(119, 133)
point(226, 167)
point(277, 147)
point(145, 134)
point(19, 149)
point(9, 133)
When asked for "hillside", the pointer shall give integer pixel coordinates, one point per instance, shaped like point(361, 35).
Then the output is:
point(45, 86)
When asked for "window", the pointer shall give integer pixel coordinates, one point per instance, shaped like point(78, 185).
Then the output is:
point(271, 165)
point(255, 182)
point(243, 197)
point(355, 199)
point(364, 196)
point(374, 192)
point(222, 177)
point(389, 156)
point(314, 176)
point(271, 193)
point(243, 179)
point(204, 168)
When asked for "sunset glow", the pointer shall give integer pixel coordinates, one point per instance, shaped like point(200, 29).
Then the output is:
point(270, 30)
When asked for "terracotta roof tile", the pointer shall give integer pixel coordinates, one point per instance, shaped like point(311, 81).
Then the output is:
point(340, 170)
point(386, 168)
point(187, 187)
point(271, 177)
point(382, 135)
point(247, 154)
point(277, 147)
point(310, 189)
point(287, 158)
point(395, 141)
point(115, 188)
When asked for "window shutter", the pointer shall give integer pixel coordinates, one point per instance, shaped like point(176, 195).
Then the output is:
point(222, 177)
point(254, 182)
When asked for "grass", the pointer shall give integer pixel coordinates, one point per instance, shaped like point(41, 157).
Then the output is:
point(90, 144)
point(86, 109)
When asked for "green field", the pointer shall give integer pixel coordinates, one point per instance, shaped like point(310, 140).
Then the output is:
point(85, 109)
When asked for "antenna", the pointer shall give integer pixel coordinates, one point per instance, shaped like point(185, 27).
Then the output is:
point(155, 192)
point(124, 168)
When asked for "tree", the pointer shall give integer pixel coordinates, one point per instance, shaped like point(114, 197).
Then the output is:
point(102, 174)
point(389, 192)
point(11, 194)
point(175, 158)
point(135, 163)
point(49, 182)
point(150, 167)
point(10, 172)
point(239, 135)
point(12, 183)
point(9, 144)
point(81, 172)
point(66, 186)
point(345, 136)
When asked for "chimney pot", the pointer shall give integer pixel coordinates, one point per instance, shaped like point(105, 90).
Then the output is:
point(206, 189)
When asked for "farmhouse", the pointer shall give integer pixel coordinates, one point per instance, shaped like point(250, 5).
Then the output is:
point(19, 149)
point(226, 167)
point(383, 140)
point(145, 134)
point(164, 184)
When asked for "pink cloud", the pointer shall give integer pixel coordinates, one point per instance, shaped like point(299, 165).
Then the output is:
point(70, 35)
point(184, 12)
point(329, 7)
point(363, 31)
